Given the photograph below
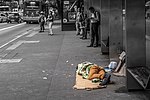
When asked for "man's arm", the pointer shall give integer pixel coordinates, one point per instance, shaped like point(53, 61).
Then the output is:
point(97, 16)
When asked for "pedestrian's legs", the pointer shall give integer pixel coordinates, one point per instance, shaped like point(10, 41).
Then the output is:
point(81, 28)
point(85, 33)
point(77, 28)
point(82, 32)
point(97, 35)
point(50, 28)
point(42, 26)
point(95, 31)
point(92, 33)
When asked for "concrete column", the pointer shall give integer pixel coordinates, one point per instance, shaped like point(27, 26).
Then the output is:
point(116, 29)
point(135, 40)
point(104, 26)
point(135, 33)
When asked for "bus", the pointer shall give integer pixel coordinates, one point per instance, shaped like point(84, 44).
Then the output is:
point(31, 10)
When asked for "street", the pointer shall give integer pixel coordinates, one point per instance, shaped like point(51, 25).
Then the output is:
point(36, 65)
point(26, 63)
point(10, 31)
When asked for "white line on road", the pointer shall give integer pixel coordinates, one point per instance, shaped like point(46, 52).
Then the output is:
point(31, 41)
point(14, 39)
point(10, 60)
point(11, 26)
point(16, 45)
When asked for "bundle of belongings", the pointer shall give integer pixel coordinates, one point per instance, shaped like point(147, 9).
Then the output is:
point(120, 70)
point(93, 72)
point(92, 76)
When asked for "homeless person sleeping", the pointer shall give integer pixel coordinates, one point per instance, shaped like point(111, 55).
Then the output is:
point(93, 72)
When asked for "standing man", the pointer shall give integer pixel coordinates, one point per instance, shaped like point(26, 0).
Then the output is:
point(42, 20)
point(95, 21)
point(50, 20)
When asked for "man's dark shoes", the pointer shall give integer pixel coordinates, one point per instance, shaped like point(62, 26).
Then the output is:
point(81, 37)
point(78, 34)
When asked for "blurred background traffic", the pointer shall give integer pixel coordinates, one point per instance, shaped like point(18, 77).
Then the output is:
point(26, 10)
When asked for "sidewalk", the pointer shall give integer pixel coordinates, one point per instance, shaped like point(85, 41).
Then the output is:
point(47, 71)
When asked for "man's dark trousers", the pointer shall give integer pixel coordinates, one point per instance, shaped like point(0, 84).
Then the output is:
point(94, 33)
point(42, 26)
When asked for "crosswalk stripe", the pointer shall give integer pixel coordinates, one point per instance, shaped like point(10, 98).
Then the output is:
point(10, 60)
point(14, 46)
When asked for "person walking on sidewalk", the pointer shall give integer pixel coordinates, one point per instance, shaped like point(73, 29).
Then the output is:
point(81, 21)
point(86, 24)
point(95, 21)
point(42, 20)
point(78, 21)
point(50, 20)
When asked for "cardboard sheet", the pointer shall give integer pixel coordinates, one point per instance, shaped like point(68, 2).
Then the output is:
point(81, 84)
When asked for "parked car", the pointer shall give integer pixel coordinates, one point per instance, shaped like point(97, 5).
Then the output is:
point(3, 17)
point(14, 17)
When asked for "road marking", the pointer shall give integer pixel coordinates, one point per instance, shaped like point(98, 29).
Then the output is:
point(14, 39)
point(31, 41)
point(16, 45)
point(10, 60)
point(32, 34)
point(12, 26)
